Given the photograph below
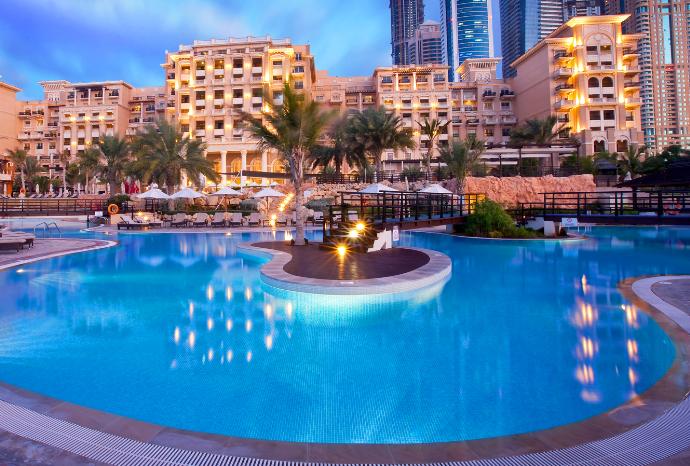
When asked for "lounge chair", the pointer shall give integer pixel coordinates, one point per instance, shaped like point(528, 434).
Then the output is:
point(318, 218)
point(9, 244)
point(27, 238)
point(200, 220)
point(235, 219)
point(218, 219)
point(255, 219)
point(281, 220)
point(179, 220)
point(127, 222)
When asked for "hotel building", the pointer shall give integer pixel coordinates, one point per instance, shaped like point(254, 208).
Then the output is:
point(587, 73)
point(664, 61)
point(8, 132)
point(211, 83)
point(466, 32)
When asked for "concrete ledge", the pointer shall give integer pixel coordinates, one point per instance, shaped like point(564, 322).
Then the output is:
point(273, 274)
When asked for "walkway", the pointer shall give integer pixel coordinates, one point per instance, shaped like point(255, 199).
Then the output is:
point(50, 247)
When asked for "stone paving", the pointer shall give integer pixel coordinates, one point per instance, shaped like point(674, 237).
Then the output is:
point(49, 247)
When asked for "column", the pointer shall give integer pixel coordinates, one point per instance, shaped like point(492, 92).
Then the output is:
point(223, 167)
point(243, 179)
point(264, 166)
point(88, 95)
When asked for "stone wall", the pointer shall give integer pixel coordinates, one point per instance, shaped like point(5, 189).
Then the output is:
point(513, 190)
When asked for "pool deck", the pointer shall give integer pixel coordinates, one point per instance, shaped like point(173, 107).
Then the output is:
point(50, 247)
point(653, 428)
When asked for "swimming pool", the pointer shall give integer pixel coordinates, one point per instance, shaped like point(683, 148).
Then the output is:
point(176, 329)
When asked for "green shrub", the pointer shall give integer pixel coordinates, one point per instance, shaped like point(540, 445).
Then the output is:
point(250, 205)
point(490, 220)
point(412, 173)
point(319, 204)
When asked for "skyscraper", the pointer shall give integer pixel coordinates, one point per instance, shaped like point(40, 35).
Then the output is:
point(664, 60)
point(581, 8)
point(406, 16)
point(523, 24)
point(424, 48)
point(466, 31)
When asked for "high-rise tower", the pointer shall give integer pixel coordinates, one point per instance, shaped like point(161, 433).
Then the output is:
point(466, 31)
point(406, 16)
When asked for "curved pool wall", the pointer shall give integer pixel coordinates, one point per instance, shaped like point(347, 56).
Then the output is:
point(178, 330)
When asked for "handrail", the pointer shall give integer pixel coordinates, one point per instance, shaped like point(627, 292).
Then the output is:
point(46, 227)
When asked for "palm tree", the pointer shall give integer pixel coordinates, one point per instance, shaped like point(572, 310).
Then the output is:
point(461, 158)
point(89, 161)
point(116, 156)
point(31, 170)
point(631, 160)
point(164, 155)
point(375, 130)
point(432, 129)
point(338, 152)
point(292, 129)
point(64, 158)
point(18, 158)
point(537, 131)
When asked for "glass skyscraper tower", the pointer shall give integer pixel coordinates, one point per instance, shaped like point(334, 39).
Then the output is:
point(523, 24)
point(465, 31)
point(406, 16)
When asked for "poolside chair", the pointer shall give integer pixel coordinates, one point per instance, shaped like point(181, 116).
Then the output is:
point(318, 218)
point(9, 244)
point(281, 219)
point(127, 222)
point(218, 220)
point(155, 223)
point(235, 219)
point(26, 238)
point(255, 219)
point(179, 220)
point(200, 219)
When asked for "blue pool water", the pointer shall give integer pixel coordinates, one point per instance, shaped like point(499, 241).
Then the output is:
point(178, 330)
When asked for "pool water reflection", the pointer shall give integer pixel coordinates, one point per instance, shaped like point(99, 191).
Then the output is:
point(178, 330)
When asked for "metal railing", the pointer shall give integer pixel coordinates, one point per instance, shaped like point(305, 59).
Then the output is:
point(401, 208)
point(29, 207)
point(657, 203)
point(46, 228)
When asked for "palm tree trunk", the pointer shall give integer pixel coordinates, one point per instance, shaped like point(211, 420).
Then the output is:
point(299, 207)
point(379, 167)
point(86, 184)
point(21, 174)
point(113, 186)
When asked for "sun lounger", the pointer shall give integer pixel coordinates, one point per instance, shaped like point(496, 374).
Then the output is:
point(281, 220)
point(218, 220)
point(200, 220)
point(255, 219)
point(11, 244)
point(127, 222)
point(235, 219)
point(179, 220)
point(27, 238)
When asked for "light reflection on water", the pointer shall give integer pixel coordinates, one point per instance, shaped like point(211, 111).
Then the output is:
point(178, 330)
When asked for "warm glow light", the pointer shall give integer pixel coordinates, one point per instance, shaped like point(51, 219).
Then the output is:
point(210, 353)
point(632, 350)
point(228, 293)
point(248, 325)
point(228, 234)
point(583, 280)
point(268, 312)
point(360, 226)
point(342, 250)
point(632, 376)
point(288, 310)
point(269, 342)
point(353, 233)
point(191, 340)
point(249, 356)
point(248, 294)
point(210, 292)
point(209, 324)
point(585, 374)
point(176, 335)
point(228, 355)
point(191, 310)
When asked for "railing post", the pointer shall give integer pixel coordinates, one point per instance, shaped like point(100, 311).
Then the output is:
point(659, 203)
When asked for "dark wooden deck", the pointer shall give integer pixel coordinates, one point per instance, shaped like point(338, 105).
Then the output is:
point(313, 262)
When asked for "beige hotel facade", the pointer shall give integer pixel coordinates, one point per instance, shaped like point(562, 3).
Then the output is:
point(207, 85)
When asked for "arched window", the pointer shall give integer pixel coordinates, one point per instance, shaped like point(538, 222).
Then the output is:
point(622, 145)
point(593, 82)
point(593, 85)
point(236, 165)
point(599, 146)
point(599, 50)
point(607, 82)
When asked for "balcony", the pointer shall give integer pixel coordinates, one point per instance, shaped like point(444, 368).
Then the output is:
point(218, 111)
point(171, 76)
point(238, 101)
point(492, 120)
point(563, 118)
point(563, 72)
point(488, 95)
point(630, 54)
point(185, 106)
point(218, 102)
point(507, 94)
point(631, 86)
point(564, 104)
point(473, 121)
point(201, 75)
point(599, 67)
point(632, 102)
point(200, 133)
point(565, 88)
point(200, 102)
point(407, 122)
point(509, 120)
point(562, 55)
point(602, 100)
point(257, 100)
point(218, 132)
point(219, 73)
point(184, 77)
point(238, 72)
point(279, 101)
point(237, 133)
point(633, 69)
point(257, 70)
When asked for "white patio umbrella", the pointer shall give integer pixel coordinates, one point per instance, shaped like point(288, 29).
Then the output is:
point(435, 189)
point(227, 191)
point(268, 193)
point(154, 193)
point(377, 188)
point(187, 193)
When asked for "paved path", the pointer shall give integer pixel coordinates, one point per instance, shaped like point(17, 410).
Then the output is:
point(677, 293)
point(50, 247)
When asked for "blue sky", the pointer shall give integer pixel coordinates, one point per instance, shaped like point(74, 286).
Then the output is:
point(89, 40)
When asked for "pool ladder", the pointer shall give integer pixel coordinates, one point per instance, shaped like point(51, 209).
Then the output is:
point(46, 228)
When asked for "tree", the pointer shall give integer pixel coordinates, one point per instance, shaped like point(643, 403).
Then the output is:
point(115, 159)
point(537, 131)
point(461, 158)
point(164, 154)
point(89, 161)
point(432, 129)
point(375, 130)
point(339, 150)
point(18, 158)
point(292, 129)
point(631, 161)
point(64, 158)
point(32, 170)
point(664, 159)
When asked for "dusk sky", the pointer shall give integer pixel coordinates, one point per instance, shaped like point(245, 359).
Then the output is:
point(95, 40)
